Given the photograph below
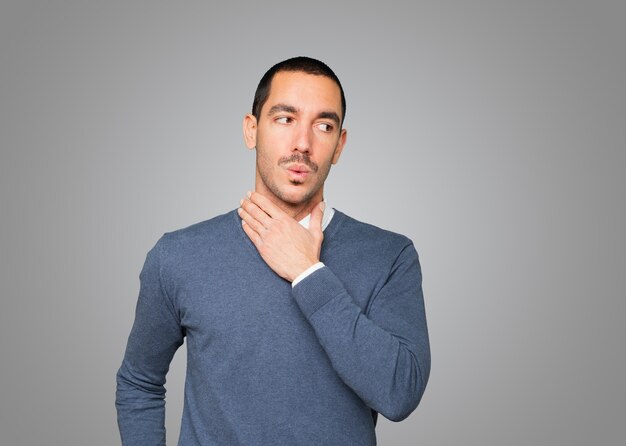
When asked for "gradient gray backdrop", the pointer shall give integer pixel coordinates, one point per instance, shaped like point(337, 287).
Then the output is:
point(491, 133)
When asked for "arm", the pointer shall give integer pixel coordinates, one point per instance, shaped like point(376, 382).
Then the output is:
point(384, 355)
point(154, 338)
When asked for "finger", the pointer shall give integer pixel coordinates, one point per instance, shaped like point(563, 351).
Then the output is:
point(266, 205)
point(317, 215)
point(256, 212)
point(251, 222)
point(252, 234)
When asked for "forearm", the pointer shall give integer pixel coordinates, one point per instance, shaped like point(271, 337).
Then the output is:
point(140, 396)
point(140, 409)
point(384, 358)
point(153, 341)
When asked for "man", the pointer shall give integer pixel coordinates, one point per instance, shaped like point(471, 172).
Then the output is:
point(302, 324)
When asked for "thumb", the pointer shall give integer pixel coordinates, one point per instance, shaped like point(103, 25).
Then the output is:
point(317, 213)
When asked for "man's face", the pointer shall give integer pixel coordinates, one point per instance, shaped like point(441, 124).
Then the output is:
point(297, 137)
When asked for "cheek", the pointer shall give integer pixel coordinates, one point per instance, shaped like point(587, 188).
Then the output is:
point(269, 144)
point(263, 162)
point(330, 150)
point(261, 148)
point(324, 168)
point(266, 160)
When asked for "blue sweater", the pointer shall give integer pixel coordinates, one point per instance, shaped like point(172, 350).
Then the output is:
point(268, 364)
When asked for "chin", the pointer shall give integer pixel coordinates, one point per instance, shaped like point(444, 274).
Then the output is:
point(295, 197)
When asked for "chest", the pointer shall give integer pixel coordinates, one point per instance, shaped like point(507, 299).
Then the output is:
point(233, 300)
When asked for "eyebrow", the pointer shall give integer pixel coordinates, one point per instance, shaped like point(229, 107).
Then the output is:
point(330, 115)
point(284, 108)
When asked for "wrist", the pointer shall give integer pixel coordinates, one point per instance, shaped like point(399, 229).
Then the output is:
point(307, 272)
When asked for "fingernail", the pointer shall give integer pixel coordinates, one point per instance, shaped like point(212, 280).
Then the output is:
point(322, 206)
point(241, 202)
point(249, 194)
point(239, 211)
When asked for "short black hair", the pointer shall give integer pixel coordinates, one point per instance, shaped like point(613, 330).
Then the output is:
point(302, 64)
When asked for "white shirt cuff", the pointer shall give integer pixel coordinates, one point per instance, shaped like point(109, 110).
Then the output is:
point(310, 270)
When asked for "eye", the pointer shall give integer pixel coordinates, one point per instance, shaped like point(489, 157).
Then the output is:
point(325, 127)
point(284, 120)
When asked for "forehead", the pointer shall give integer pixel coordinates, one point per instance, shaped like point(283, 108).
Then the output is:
point(306, 92)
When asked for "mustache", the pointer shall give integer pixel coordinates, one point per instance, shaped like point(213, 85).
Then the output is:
point(299, 158)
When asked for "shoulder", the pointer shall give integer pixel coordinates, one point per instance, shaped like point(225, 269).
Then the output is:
point(368, 236)
point(198, 235)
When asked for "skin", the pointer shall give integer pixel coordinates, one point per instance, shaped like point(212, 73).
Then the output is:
point(298, 137)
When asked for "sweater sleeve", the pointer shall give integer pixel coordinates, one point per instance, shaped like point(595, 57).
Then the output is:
point(384, 355)
point(154, 338)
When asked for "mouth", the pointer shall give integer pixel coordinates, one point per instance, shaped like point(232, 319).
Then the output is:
point(298, 171)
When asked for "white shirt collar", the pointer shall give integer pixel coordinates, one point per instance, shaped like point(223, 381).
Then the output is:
point(326, 217)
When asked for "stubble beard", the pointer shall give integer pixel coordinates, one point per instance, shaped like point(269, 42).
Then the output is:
point(265, 169)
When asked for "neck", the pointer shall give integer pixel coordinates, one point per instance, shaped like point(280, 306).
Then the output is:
point(295, 210)
point(298, 212)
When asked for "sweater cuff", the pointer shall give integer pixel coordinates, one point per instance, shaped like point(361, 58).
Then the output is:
point(306, 273)
point(317, 289)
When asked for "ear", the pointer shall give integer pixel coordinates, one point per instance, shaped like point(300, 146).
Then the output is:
point(249, 131)
point(340, 145)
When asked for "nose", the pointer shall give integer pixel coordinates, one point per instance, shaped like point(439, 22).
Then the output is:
point(302, 141)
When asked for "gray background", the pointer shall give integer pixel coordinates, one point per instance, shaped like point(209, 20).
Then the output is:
point(491, 133)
